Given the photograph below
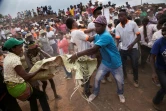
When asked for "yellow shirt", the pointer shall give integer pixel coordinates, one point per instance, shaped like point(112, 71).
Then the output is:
point(10, 62)
point(72, 12)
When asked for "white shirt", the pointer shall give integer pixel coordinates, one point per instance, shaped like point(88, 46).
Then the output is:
point(155, 36)
point(151, 28)
point(17, 29)
point(10, 62)
point(91, 25)
point(49, 35)
point(80, 39)
point(2, 32)
point(127, 34)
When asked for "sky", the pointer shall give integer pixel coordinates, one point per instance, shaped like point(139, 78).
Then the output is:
point(13, 6)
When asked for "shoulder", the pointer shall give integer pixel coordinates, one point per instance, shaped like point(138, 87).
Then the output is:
point(11, 58)
point(158, 41)
point(132, 22)
point(106, 35)
point(118, 27)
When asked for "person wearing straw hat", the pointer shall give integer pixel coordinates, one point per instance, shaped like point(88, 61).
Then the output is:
point(34, 54)
point(111, 60)
point(16, 78)
point(45, 43)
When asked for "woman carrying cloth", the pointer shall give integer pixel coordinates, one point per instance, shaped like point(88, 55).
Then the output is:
point(16, 78)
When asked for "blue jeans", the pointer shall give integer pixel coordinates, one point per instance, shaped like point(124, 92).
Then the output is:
point(117, 74)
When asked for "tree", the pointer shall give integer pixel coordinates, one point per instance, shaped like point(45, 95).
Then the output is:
point(1, 16)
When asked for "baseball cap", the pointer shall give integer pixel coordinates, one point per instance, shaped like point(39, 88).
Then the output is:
point(97, 8)
point(10, 43)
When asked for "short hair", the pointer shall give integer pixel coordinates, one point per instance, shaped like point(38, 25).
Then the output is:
point(69, 23)
point(123, 10)
point(145, 20)
point(138, 21)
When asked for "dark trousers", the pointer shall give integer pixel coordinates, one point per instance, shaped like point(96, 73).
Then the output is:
point(162, 91)
point(37, 94)
point(54, 46)
point(9, 103)
point(134, 56)
point(86, 85)
point(145, 52)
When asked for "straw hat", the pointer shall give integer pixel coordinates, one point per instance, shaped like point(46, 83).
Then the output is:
point(28, 34)
point(42, 31)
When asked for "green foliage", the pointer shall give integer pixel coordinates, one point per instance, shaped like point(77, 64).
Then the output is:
point(1, 16)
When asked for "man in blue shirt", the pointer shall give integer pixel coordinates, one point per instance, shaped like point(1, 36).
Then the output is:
point(111, 60)
point(158, 64)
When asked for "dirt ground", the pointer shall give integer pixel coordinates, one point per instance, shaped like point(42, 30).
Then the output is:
point(137, 99)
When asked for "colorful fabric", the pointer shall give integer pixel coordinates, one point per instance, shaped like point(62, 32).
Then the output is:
point(21, 91)
point(101, 20)
point(15, 89)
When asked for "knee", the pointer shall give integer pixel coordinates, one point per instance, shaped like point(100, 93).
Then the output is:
point(99, 76)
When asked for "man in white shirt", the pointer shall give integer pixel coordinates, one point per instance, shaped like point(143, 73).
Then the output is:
point(146, 32)
point(127, 31)
point(79, 38)
point(96, 12)
point(50, 35)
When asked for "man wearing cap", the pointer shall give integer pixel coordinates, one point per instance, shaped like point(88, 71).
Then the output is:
point(91, 25)
point(111, 60)
point(96, 12)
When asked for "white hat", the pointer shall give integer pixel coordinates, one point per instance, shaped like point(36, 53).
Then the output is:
point(22, 30)
point(148, 10)
point(160, 8)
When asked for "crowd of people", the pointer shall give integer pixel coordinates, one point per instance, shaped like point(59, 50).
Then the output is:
point(135, 33)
